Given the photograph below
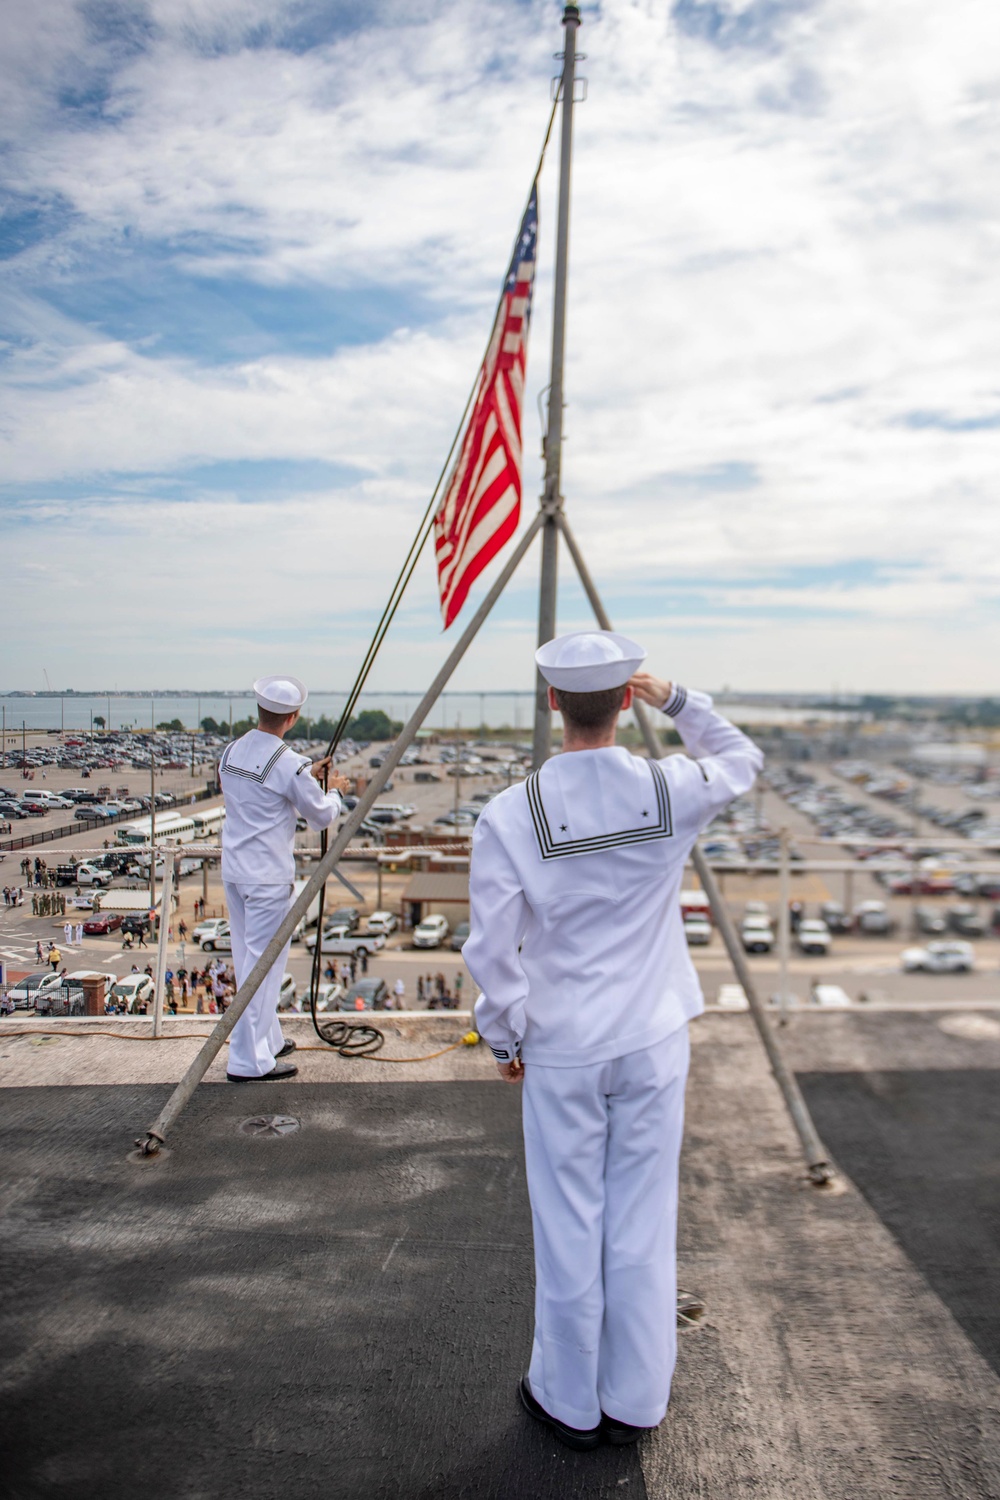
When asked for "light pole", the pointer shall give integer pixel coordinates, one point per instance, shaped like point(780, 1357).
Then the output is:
point(458, 765)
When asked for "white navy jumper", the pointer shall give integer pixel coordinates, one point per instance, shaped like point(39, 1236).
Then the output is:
point(266, 786)
point(578, 946)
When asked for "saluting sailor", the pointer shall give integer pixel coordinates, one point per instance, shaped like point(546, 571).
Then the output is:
point(587, 986)
point(266, 786)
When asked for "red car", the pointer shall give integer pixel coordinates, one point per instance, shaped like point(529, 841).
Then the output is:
point(101, 925)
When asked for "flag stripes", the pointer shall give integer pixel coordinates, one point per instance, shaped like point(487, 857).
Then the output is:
point(482, 500)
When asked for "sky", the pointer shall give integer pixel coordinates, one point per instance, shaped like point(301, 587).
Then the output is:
point(251, 251)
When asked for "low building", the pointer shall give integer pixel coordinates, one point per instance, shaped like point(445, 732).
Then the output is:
point(433, 893)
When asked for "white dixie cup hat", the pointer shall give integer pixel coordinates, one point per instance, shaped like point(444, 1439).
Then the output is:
point(589, 661)
point(280, 695)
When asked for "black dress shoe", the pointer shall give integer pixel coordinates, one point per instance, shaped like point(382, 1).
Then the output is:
point(620, 1433)
point(280, 1070)
point(286, 1048)
point(581, 1438)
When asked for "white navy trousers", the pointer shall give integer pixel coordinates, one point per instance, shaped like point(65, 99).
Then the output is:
point(602, 1145)
point(255, 914)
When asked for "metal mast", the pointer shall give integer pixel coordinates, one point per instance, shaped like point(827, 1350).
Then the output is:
point(551, 497)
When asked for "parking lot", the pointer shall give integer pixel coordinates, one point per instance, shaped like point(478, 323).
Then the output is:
point(813, 803)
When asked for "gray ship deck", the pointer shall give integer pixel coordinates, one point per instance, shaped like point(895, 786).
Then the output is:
point(344, 1311)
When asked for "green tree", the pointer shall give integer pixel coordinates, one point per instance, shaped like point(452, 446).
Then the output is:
point(210, 726)
point(99, 720)
point(373, 724)
point(174, 724)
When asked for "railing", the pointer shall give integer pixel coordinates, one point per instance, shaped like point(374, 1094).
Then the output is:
point(85, 825)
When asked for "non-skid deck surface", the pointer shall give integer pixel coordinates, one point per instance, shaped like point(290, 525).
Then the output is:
point(344, 1311)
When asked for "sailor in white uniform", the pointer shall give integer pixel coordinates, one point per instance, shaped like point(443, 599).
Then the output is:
point(587, 986)
point(266, 786)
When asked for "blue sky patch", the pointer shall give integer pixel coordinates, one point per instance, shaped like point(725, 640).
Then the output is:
point(756, 26)
point(151, 303)
point(942, 421)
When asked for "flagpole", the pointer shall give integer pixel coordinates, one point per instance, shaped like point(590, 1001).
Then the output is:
point(551, 502)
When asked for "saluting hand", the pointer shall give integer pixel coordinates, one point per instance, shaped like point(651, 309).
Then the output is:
point(512, 1072)
point(649, 689)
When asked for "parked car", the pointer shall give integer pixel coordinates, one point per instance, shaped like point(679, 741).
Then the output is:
point(431, 932)
point(930, 921)
point(967, 922)
point(342, 916)
point(220, 940)
point(339, 940)
point(207, 927)
point(65, 999)
point(31, 987)
point(328, 997)
point(459, 937)
point(756, 934)
point(697, 931)
point(102, 924)
point(872, 918)
point(137, 926)
point(813, 938)
point(132, 990)
point(366, 994)
point(382, 921)
point(835, 917)
point(939, 958)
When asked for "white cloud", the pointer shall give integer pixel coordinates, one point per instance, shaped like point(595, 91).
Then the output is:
point(783, 303)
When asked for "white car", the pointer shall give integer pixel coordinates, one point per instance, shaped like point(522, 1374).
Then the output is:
point(287, 993)
point(431, 932)
point(382, 921)
point(133, 990)
point(28, 990)
point(813, 938)
point(756, 934)
point(208, 928)
point(939, 958)
point(328, 997)
point(220, 939)
point(698, 931)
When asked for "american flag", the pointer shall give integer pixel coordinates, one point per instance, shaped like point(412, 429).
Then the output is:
point(482, 503)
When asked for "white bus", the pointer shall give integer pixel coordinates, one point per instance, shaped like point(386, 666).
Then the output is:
point(171, 828)
point(209, 822)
